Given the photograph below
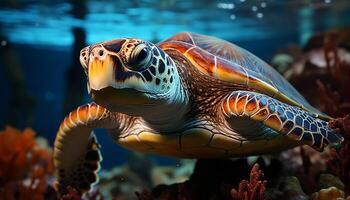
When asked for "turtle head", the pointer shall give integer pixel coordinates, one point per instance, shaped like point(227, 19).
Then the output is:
point(129, 73)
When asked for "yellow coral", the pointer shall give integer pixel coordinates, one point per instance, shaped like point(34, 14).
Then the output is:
point(331, 193)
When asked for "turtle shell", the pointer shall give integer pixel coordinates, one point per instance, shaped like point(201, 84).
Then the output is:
point(228, 62)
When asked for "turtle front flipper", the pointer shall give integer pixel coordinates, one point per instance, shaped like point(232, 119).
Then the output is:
point(76, 151)
point(283, 118)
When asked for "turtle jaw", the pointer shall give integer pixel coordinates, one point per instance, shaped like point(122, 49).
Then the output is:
point(117, 99)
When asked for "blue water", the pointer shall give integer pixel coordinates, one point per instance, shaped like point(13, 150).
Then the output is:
point(41, 35)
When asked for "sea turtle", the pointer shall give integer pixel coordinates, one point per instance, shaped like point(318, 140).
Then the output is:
point(192, 96)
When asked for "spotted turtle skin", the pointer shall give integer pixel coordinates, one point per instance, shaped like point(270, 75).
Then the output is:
point(190, 96)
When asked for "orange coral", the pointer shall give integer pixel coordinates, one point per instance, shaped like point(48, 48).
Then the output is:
point(14, 147)
point(24, 166)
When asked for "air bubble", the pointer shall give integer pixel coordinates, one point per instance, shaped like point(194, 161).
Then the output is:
point(3, 43)
point(254, 8)
point(259, 15)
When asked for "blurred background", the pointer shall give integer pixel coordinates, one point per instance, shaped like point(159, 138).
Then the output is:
point(40, 75)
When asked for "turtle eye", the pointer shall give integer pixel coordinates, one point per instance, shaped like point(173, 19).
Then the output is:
point(140, 57)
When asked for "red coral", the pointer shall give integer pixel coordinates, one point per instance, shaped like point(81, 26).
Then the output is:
point(334, 97)
point(254, 189)
point(340, 163)
point(72, 194)
point(24, 167)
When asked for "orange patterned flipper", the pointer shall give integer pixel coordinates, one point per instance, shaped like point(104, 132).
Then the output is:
point(76, 151)
point(282, 118)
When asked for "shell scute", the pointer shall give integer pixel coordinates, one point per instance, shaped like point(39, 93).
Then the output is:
point(227, 71)
point(182, 47)
point(204, 60)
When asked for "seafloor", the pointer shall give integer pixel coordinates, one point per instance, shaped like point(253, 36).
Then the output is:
point(323, 65)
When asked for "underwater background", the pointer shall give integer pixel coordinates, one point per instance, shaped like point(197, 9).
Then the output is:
point(41, 78)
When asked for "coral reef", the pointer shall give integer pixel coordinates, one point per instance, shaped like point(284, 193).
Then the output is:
point(334, 99)
point(326, 66)
point(206, 182)
point(25, 167)
point(214, 179)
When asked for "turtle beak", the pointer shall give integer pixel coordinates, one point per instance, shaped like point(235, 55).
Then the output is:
point(102, 64)
point(101, 72)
